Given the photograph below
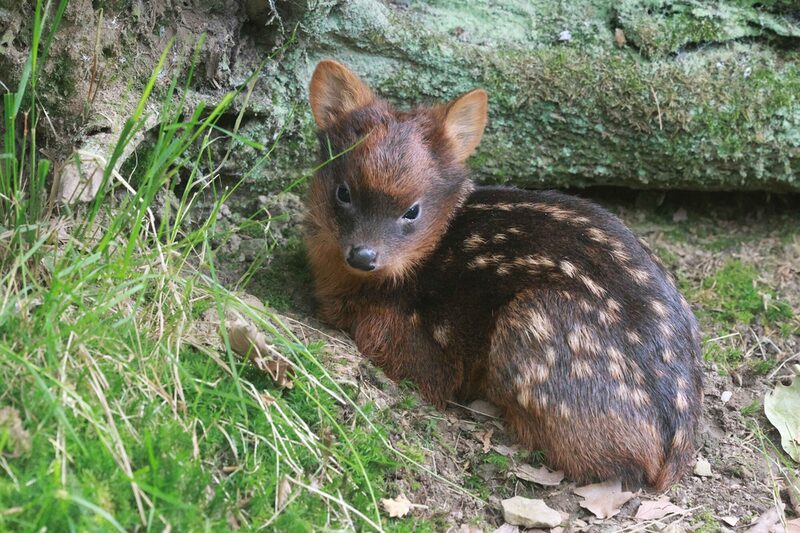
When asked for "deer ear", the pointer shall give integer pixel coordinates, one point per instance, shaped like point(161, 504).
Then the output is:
point(465, 119)
point(335, 91)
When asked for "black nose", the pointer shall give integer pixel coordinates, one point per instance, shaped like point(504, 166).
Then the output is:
point(362, 258)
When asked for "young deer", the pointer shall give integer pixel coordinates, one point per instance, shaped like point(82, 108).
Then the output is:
point(545, 304)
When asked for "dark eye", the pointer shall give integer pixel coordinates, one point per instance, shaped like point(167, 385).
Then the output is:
point(343, 194)
point(412, 213)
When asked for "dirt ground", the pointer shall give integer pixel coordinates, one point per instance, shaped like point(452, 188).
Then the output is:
point(699, 237)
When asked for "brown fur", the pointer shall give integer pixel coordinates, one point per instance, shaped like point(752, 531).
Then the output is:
point(545, 304)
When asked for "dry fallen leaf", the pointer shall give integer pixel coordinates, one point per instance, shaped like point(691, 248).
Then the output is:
point(782, 407)
point(654, 510)
point(542, 476)
point(793, 526)
point(486, 439)
point(397, 507)
point(508, 451)
point(18, 440)
point(528, 513)
point(702, 468)
point(247, 341)
point(283, 493)
point(604, 500)
point(730, 520)
point(767, 520)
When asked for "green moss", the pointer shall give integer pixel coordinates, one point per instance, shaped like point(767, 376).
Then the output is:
point(726, 356)
point(706, 523)
point(762, 366)
point(61, 80)
point(661, 27)
point(733, 295)
point(752, 409)
point(496, 459)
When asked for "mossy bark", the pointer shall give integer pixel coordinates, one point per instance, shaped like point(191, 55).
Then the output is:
point(639, 93)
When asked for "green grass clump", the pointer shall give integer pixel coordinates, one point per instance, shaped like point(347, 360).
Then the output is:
point(734, 295)
point(131, 417)
point(706, 523)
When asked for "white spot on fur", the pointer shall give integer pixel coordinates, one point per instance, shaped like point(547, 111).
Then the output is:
point(597, 235)
point(550, 355)
point(568, 268)
point(633, 337)
point(681, 403)
point(659, 308)
point(581, 340)
point(441, 334)
point(473, 242)
point(640, 276)
point(581, 369)
point(538, 325)
point(537, 373)
point(593, 287)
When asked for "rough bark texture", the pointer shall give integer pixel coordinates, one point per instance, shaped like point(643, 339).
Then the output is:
point(640, 93)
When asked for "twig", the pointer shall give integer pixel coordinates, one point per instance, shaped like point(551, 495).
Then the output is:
point(658, 108)
point(783, 363)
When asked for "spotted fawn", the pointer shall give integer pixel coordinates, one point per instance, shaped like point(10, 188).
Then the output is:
point(545, 304)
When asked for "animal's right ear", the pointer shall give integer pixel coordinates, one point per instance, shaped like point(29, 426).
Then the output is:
point(335, 91)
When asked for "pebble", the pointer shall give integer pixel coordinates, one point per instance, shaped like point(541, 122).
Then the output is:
point(702, 468)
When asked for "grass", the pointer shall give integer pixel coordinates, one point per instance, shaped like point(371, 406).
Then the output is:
point(131, 417)
point(736, 295)
point(733, 296)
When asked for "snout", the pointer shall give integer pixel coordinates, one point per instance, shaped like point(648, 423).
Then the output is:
point(362, 258)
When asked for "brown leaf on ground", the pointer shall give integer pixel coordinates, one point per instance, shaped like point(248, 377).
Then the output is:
point(604, 500)
point(702, 468)
point(19, 440)
point(767, 521)
point(247, 341)
point(543, 476)
point(654, 510)
point(396, 507)
point(283, 493)
point(486, 439)
point(508, 451)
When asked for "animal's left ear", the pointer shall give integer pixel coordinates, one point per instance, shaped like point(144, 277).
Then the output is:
point(465, 119)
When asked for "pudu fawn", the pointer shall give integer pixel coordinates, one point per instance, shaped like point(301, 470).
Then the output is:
point(542, 303)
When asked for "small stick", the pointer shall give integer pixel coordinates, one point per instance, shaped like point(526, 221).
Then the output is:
point(658, 108)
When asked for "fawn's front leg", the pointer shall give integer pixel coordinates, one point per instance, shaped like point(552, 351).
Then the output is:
point(398, 343)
